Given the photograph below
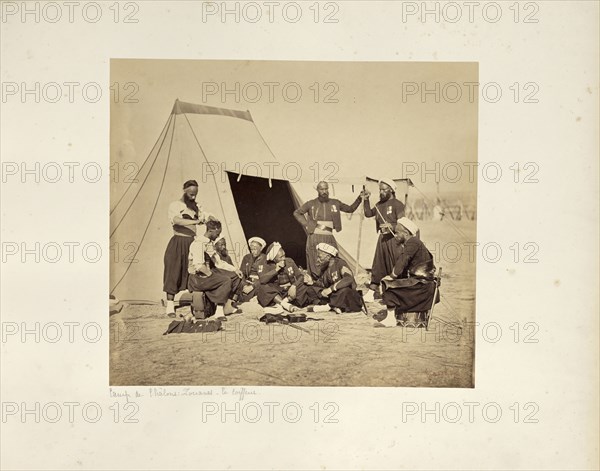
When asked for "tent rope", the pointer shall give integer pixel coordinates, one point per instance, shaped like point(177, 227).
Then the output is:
point(153, 209)
point(148, 157)
point(143, 183)
point(213, 176)
point(450, 308)
point(447, 220)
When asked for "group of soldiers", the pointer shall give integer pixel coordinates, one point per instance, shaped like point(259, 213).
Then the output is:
point(198, 262)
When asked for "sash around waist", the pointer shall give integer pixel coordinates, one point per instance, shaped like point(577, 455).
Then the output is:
point(324, 227)
point(185, 231)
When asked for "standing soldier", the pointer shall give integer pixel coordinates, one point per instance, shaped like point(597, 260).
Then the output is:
point(387, 212)
point(322, 218)
point(184, 216)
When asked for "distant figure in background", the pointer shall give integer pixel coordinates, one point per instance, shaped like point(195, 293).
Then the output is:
point(438, 211)
point(252, 266)
point(322, 218)
point(387, 212)
point(184, 215)
point(461, 210)
point(410, 211)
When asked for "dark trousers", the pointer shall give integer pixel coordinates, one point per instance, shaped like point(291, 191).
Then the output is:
point(243, 297)
point(347, 299)
point(236, 282)
point(175, 275)
point(266, 294)
point(385, 257)
point(413, 297)
point(217, 287)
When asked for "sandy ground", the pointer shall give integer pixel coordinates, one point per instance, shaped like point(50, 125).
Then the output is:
point(340, 350)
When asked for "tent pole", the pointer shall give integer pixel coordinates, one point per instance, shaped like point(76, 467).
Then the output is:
point(360, 224)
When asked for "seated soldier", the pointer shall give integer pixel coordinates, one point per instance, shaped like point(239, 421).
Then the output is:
point(221, 252)
point(335, 288)
point(252, 266)
point(224, 265)
point(281, 282)
point(409, 287)
point(203, 276)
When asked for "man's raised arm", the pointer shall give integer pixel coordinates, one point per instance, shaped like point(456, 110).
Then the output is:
point(352, 207)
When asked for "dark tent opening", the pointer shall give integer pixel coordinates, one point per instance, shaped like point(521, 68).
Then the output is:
point(267, 212)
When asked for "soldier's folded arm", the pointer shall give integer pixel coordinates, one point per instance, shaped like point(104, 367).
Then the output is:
point(298, 275)
point(346, 281)
point(406, 255)
point(267, 276)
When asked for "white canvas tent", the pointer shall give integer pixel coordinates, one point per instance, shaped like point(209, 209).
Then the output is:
point(241, 182)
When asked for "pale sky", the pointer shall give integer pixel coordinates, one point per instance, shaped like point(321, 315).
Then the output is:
point(372, 129)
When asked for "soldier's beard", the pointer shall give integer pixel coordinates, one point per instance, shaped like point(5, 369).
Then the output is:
point(324, 199)
point(190, 203)
point(384, 198)
point(401, 238)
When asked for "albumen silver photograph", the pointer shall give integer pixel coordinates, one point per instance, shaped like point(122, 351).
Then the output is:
point(293, 223)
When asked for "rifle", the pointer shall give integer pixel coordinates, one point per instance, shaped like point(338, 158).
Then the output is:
point(281, 319)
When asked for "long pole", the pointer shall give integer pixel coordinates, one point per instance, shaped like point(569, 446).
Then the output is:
point(362, 217)
point(435, 292)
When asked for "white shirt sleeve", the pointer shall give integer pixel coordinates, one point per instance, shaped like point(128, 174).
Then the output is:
point(175, 210)
point(193, 258)
point(220, 263)
point(196, 255)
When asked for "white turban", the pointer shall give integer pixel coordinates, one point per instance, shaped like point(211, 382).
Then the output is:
point(330, 249)
point(410, 226)
point(389, 182)
point(258, 240)
point(273, 251)
point(217, 240)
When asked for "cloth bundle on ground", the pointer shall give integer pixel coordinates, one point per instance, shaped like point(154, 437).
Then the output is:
point(291, 318)
point(193, 327)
